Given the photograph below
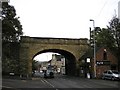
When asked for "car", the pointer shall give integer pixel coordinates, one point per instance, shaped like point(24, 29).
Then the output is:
point(111, 74)
point(49, 74)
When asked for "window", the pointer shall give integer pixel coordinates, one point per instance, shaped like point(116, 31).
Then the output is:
point(109, 72)
point(105, 55)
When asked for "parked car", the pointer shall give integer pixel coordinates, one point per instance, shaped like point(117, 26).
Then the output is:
point(111, 74)
point(49, 74)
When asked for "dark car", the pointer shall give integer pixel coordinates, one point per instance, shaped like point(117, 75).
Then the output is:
point(49, 74)
point(111, 74)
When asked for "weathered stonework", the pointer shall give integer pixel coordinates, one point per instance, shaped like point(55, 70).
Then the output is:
point(31, 46)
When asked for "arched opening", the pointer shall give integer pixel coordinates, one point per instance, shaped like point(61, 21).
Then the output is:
point(69, 59)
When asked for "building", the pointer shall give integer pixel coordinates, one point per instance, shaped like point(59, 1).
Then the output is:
point(58, 63)
point(105, 60)
point(41, 66)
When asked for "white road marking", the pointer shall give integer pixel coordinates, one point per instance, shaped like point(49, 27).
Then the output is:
point(42, 81)
point(23, 80)
point(49, 83)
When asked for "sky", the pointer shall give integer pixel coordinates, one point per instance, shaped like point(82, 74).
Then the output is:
point(63, 18)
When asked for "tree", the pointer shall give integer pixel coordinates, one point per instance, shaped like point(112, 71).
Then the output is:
point(34, 65)
point(11, 27)
point(114, 26)
point(11, 32)
point(110, 37)
point(115, 29)
point(105, 38)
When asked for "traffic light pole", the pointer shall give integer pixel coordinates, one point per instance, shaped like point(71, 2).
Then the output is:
point(94, 48)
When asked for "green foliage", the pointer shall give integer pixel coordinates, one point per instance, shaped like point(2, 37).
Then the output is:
point(11, 27)
point(10, 60)
point(110, 37)
point(115, 28)
point(34, 65)
point(11, 32)
point(105, 38)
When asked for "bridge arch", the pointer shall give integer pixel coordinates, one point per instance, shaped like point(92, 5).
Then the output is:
point(70, 65)
point(60, 51)
point(72, 49)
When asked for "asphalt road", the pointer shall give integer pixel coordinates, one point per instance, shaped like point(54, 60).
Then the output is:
point(57, 83)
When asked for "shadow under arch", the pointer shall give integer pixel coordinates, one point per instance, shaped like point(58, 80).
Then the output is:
point(70, 60)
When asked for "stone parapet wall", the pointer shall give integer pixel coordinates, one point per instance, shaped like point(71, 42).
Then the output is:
point(27, 39)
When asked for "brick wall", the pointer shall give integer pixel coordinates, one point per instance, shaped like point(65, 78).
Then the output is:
point(99, 57)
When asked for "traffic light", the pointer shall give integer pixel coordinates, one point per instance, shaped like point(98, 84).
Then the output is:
point(97, 30)
point(91, 38)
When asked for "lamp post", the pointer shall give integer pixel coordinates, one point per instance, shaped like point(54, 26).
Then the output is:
point(94, 48)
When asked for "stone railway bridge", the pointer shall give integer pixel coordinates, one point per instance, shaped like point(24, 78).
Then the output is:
point(71, 49)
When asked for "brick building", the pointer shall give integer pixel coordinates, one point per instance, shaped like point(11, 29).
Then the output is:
point(105, 60)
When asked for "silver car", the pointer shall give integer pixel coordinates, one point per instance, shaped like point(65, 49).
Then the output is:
point(111, 74)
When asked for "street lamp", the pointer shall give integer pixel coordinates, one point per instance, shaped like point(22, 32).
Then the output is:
point(94, 48)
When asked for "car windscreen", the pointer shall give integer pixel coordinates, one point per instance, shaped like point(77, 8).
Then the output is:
point(115, 72)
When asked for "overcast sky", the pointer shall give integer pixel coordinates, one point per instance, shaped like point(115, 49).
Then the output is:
point(63, 18)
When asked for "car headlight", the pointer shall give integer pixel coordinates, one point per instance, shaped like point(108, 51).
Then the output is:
point(115, 75)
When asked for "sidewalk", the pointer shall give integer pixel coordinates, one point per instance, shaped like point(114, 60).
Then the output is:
point(16, 77)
